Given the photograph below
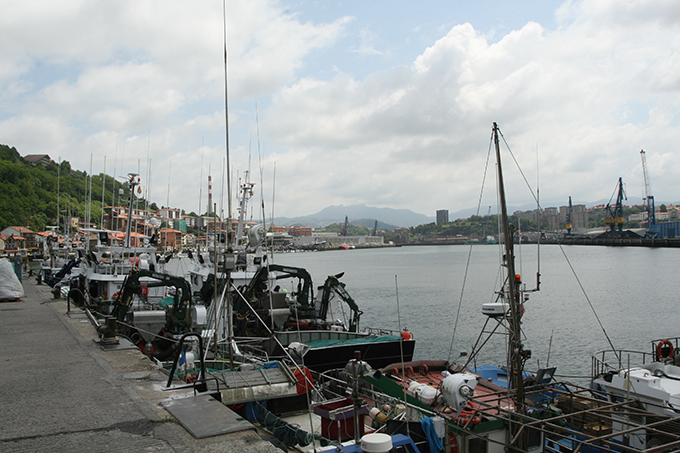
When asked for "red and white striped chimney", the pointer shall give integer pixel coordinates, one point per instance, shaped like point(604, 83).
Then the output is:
point(209, 193)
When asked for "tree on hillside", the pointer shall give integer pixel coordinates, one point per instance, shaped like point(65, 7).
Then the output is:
point(352, 230)
point(29, 195)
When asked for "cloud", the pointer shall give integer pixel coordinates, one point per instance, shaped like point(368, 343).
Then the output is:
point(106, 74)
point(137, 81)
point(557, 92)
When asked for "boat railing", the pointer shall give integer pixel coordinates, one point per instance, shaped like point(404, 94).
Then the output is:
point(675, 341)
point(179, 354)
point(378, 331)
point(113, 268)
point(615, 360)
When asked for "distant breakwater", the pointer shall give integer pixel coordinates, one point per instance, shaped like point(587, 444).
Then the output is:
point(617, 242)
point(608, 242)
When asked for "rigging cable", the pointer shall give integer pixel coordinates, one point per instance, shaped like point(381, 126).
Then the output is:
point(467, 264)
point(589, 302)
point(563, 252)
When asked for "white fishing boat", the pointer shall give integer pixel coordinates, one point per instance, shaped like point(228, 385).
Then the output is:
point(651, 378)
point(105, 266)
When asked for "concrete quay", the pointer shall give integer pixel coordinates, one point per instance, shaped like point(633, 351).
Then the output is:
point(61, 392)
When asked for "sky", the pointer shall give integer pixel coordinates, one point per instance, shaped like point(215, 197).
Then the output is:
point(384, 103)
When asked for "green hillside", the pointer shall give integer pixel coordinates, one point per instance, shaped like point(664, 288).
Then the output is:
point(28, 193)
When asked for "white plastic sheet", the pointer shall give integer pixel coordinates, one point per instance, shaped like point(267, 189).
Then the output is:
point(10, 286)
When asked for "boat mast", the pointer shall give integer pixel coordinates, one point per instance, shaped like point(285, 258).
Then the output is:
point(246, 194)
point(134, 181)
point(229, 252)
point(513, 290)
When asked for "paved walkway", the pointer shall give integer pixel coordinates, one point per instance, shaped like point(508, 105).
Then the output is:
point(61, 392)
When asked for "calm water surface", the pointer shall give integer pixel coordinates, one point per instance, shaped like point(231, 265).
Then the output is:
point(634, 292)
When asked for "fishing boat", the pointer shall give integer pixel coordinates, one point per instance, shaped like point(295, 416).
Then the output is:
point(509, 409)
point(104, 266)
point(650, 377)
point(282, 398)
point(258, 310)
point(60, 260)
point(474, 408)
point(278, 313)
point(247, 249)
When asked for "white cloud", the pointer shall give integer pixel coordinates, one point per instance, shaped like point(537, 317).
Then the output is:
point(129, 79)
point(558, 91)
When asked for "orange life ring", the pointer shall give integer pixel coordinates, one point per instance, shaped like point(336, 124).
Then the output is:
point(664, 350)
point(115, 296)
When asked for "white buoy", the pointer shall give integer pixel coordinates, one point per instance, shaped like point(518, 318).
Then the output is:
point(376, 443)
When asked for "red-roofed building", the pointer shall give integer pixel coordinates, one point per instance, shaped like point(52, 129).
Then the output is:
point(170, 238)
point(23, 232)
point(14, 243)
point(136, 239)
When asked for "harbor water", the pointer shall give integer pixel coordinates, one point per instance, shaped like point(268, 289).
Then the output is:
point(589, 296)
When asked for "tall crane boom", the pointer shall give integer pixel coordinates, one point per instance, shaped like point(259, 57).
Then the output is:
point(615, 218)
point(649, 198)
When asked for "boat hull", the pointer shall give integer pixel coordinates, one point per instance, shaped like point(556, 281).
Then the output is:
point(376, 354)
point(331, 349)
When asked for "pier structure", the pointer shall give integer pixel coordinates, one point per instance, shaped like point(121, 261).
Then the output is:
point(63, 392)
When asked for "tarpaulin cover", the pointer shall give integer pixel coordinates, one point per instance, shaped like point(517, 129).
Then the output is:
point(10, 286)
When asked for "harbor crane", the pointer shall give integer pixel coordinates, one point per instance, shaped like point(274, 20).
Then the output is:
point(652, 228)
point(615, 219)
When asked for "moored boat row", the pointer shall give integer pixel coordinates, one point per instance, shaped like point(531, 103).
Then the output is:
point(439, 405)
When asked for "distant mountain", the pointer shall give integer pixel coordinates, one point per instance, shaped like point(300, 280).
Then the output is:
point(387, 218)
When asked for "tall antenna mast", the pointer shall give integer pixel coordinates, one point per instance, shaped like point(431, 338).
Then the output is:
point(226, 150)
point(513, 287)
point(200, 189)
point(226, 120)
point(89, 200)
point(101, 222)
